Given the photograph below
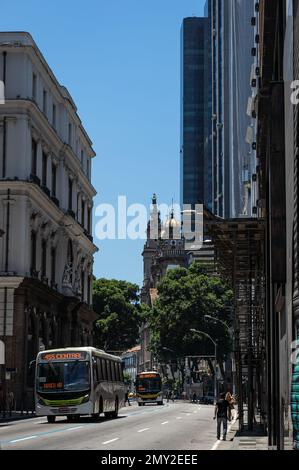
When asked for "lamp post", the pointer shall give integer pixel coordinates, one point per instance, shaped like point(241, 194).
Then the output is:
point(202, 333)
point(230, 331)
point(174, 353)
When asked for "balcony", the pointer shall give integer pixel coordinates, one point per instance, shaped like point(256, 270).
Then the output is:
point(34, 179)
point(55, 200)
point(34, 273)
point(46, 191)
point(71, 213)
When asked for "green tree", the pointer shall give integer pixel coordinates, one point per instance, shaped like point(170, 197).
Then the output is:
point(117, 304)
point(185, 297)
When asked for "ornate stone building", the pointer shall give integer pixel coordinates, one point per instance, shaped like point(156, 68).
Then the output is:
point(46, 200)
point(164, 250)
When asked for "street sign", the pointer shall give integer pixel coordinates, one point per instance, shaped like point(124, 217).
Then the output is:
point(2, 353)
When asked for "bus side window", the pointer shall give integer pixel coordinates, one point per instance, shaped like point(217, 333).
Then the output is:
point(95, 370)
point(104, 369)
point(120, 371)
point(113, 364)
point(108, 363)
point(121, 375)
point(117, 376)
point(99, 366)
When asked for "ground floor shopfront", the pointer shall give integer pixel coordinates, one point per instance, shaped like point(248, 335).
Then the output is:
point(34, 317)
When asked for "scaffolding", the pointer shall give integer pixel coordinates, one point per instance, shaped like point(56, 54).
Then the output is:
point(239, 251)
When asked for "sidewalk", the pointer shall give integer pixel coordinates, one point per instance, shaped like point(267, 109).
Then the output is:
point(15, 416)
point(247, 440)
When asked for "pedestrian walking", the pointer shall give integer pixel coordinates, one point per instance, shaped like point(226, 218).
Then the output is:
point(223, 414)
point(232, 402)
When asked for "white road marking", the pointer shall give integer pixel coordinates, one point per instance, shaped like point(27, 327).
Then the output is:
point(23, 439)
point(111, 440)
point(194, 412)
point(72, 429)
point(188, 414)
point(142, 430)
point(216, 445)
point(165, 422)
point(179, 417)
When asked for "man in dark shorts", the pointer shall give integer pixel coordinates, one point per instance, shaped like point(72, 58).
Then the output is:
point(222, 413)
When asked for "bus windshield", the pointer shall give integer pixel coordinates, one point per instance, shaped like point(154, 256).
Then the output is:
point(149, 385)
point(63, 376)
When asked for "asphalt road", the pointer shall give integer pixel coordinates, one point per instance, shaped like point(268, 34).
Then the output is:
point(175, 426)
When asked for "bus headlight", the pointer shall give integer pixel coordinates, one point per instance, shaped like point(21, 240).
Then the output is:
point(40, 401)
point(85, 399)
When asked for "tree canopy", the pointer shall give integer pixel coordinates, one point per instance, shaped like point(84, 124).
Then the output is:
point(185, 297)
point(117, 304)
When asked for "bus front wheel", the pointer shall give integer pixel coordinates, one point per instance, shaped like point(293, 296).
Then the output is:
point(51, 419)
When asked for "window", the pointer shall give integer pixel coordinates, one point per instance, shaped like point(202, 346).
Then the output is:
point(82, 213)
point(34, 81)
point(88, 168)
point(120, 372)
point(70, 194)
point(53, 265)
point(34, 157)
point(99, 366)
point(117, 377)
point(54, 178)
point(82, 157)
point(33, 252)
point(70, 134)
point(89, 220)
point(104, 369)
point(95, 370)
point(78, 200)
point(82, 286)
point(113, 375)
point(89, 290)
point(45, 99)
point(44, 259)
point(54, 116)
point(108, 363)
point(44, 169)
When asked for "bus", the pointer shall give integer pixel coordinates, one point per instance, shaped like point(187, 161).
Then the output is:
point(149, 388)
point(73, 382)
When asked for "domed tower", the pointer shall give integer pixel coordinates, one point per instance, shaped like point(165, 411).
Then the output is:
point(154, 228)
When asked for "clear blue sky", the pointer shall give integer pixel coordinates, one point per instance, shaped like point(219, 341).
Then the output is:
point(120, 60)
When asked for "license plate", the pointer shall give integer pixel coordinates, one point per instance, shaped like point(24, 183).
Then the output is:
point(64, 410)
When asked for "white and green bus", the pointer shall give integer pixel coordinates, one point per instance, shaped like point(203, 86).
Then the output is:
point(73, 382)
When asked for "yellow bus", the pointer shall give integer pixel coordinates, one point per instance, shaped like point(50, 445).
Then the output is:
point(78, 381)
point(149, 388)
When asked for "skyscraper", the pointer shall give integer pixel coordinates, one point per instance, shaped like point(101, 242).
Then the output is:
point(196, 183)
point(232, 37)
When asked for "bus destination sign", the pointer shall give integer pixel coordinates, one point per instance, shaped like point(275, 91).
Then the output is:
point(65, 356)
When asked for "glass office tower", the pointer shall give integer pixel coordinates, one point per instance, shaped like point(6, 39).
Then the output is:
point(196, 169)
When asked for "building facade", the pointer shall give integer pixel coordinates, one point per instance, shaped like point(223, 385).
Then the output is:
point(46, 200)
point(232, 39)
point(196, 163)
point(130, 361)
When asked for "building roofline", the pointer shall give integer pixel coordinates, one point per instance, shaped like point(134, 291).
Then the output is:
point(62, 90)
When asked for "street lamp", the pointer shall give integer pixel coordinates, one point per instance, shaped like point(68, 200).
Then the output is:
point(202, 333)
point(230, 331)
point(209, 317)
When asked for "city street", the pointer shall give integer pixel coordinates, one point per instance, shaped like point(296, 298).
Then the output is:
point(175, 426)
